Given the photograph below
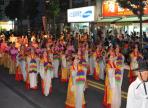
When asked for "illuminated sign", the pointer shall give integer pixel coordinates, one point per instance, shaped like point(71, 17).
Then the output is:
point(84, 14)
point(6, 25)
point(111, 9)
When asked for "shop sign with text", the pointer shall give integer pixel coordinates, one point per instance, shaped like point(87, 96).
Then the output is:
point(111, 9)
point(84, 14)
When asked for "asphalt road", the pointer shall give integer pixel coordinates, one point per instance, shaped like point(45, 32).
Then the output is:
point(13, 94)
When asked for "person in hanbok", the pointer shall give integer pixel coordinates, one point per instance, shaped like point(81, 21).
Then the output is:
point(86, 57)
point(41, 66)
point(13, 54)
point(22, 63)
point(110, 82)
point(71, 92)
point(119, 71)
point(3, 48)
point(33, 68)
point(50, 56)
point(138, 90)
point(102, 63)
point(56, 60)
point(79, 80)
point(34, 44)
point(7, 58)
point(48, 73)
point(19, 59)
point(1, 55)
point(26, 41)
point(97, 56)
point(91, 61)
point(133, 63)
point(64, 68)
point(28, 58)
point(18, 43)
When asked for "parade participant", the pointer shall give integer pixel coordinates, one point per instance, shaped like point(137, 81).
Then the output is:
point(102, 63)
point(20, 66)
point(1, 55)
point(18, 43)
point(70, 48)
point(22, 61)
point(13, 54)
point(138, 90)
point(71, 92)
point(34, 44)
point(7, 57)
point(50, 54)
point(119, 70)
point(33, 38)
point(56, 62)
point(47, 77)
point(3, 46)
point(12, 38)
point(26, 41)
point(91, 61)
point(41, 65)
point(97, 56)
point(133, 63)
point(28, 53)
point(86, 57)
point(32, 67)
point(79, 79)
point(119, 62)
point(64, 68)
point(109, 101)
point(22, 40)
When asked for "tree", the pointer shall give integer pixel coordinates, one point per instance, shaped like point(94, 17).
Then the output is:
point(54, 9)
point(137, 7)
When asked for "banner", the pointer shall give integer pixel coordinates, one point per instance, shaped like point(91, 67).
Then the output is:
point(112, 9)
point(44, 20)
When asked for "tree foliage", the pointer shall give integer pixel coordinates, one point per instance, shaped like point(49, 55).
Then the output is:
point(137, 6)
point(54, 7)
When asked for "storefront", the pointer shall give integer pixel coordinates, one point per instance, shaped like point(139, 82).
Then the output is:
point(6, 25)
point(120, 18)
point(80, 18)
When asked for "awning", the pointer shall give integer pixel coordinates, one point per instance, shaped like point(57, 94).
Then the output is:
point(129, 19)
point(121, 19)
point(108, 20)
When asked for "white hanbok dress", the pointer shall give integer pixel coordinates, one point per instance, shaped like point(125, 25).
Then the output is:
point(47, 80)
point(33, 73)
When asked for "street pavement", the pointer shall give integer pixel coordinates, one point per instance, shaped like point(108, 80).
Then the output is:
point(13, 94)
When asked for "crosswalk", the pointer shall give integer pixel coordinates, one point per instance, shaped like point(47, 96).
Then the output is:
point(101, 87)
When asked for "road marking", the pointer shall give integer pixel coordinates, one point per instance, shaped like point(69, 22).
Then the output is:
point(123, 96)
point(101, 87)
point(95, 83)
